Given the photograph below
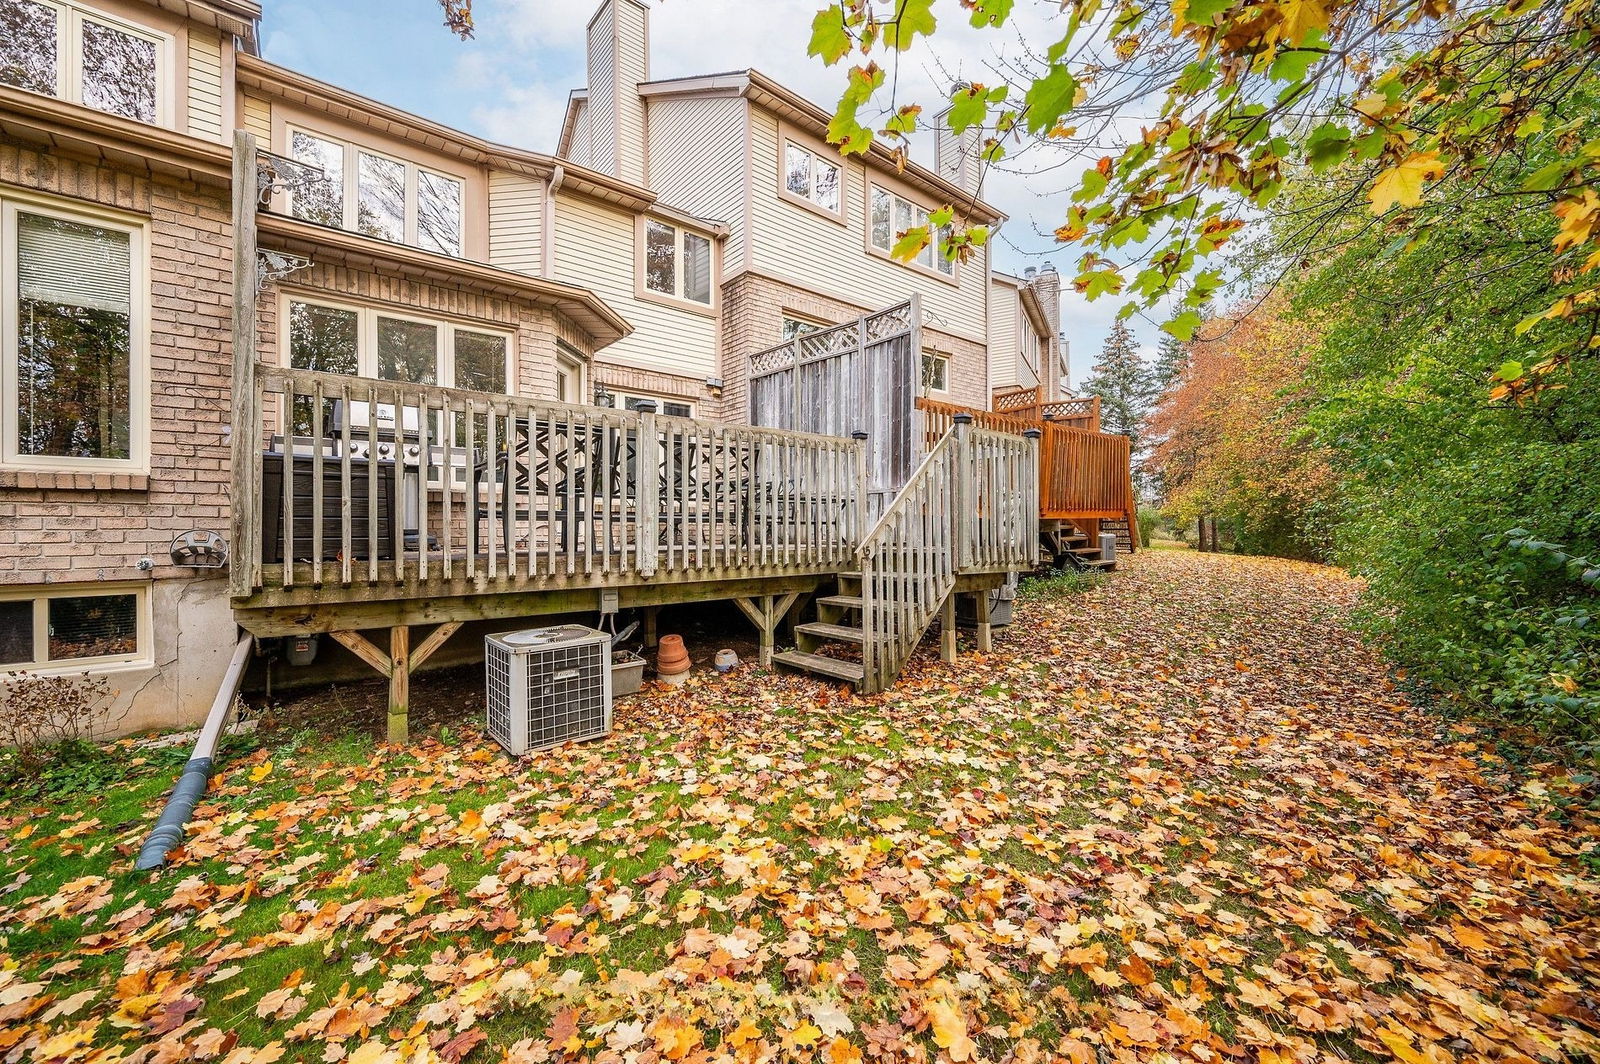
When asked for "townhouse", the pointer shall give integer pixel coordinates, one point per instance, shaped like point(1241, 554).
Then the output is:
point(181, 219)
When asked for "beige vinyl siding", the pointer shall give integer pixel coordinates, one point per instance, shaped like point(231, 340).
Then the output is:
point(595, 247)
point(581, 150)
point(805, 248)
point(257, 118)
point(602, 98)
point(205, 84)
point(1004, 310)
point(516, 222)
point(697, 160)
point(633, 67)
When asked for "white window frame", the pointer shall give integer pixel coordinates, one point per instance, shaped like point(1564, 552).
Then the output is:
point(937, 265)
point(816, 160)
point(69, 56)
point(571, 363)
point(143, 654)
point(621, 402)
point(811, 326)
point(351, 193)
point(367, 315)
point(680, 259)
point(13, 203)
point(941, 358)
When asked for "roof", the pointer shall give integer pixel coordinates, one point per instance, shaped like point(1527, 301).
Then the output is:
point(769, 93)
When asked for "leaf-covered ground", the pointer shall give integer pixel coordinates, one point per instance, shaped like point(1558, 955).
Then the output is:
point(1184, 815)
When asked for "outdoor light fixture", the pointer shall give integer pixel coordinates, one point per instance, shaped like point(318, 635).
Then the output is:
point(604, 398)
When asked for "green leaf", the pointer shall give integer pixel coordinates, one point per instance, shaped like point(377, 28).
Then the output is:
point(1097, 283)
point(830, 38)
point(1549, 177)
point(991, 12)
point(978, 236)
point(1292, 64)
point(1509, 371)
point(1184, 325)
point(1050, 97)
point(913, 17)
point(1090, 185)
point(968, 107)
point(1532, 123)
point(942, 217)
point(1200, 12)
point(1328, 143)
point(911, 243)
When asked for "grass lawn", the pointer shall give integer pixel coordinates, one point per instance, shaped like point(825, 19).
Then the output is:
point(1179, 813)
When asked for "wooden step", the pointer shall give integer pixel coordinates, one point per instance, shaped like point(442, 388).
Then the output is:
point(1083, 550)
point(1098, 563)
point(816, 663)
point(849, 602)
point(832, 633)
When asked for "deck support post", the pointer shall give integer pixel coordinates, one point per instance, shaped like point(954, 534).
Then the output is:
point(980, 600)
point(650, 614)
point(766, 613)
point(399, 682)
point(947, 629)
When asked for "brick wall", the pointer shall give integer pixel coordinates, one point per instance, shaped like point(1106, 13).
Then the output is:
point(753, 309)
point(97, 526)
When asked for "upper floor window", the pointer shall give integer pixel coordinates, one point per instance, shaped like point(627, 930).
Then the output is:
point(73, 343)
point(83, 56)
point(892, 216)
point(677, 263)
point(812, 178)
point(372, 194)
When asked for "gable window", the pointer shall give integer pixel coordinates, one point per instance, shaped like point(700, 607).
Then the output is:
point(85, 57)
point(935, 372)
point(677, 263)
point(73, 336)
point(60, 629)
point(893, 216)
point(812, 178)
point(375, 195)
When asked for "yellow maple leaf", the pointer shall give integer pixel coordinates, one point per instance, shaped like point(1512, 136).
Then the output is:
point(1402, 183)
point(1580, 220)
point(1301, 17)
point(805, 1035)
point(843, 1051)
point(1400, 1045)
point(950, 1030)
point(261, 772)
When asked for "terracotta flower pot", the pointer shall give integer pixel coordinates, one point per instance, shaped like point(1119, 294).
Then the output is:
point(671, 658)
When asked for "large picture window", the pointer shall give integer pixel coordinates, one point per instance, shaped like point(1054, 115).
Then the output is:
point(374, 342)
point(63, 630)
point(375, 195)
point(891, 216)
point(677, 263)
point(73, 348)
point(87, 57)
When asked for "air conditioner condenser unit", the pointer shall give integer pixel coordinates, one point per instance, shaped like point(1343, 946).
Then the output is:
point(547, 686)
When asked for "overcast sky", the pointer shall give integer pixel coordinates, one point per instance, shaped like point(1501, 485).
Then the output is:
point(510, 84)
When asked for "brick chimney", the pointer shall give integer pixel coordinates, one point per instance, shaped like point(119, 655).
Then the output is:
point(957, 159)
point(619, 59)
point(1046, 284)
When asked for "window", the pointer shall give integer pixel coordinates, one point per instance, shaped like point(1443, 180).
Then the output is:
point(793, 327)
point(935, 372)
point(569, 375)
point(65, 630)
point(670, 407)
point(73, 334)
point(677, 263)
point(368, 342)
point(375, 195)
point(892, 216)
point(85, 57)
point(812, 178)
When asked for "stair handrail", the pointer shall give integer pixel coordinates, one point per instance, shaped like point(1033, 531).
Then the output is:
point(909, 561)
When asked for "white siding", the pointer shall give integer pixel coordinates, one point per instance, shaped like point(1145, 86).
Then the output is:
point(205, 84)
point(697, 160)
point(581, 149)
point(595, 248)
point(799, 245)
point(516, 222)
point(257, 118)
point(633, 67)
point(1004, 310)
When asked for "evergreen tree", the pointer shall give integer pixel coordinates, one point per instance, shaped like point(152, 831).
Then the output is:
point(1123, 382)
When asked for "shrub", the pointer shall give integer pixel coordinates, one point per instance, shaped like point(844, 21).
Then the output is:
point(1149, 518)
point(41, 713)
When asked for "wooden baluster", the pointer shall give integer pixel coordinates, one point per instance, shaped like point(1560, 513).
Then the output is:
point(374, 513)
point(491, 447)
point(347, 545)
point(425, 440)
point(317, 486)
point(569, 527)
point(288, 479)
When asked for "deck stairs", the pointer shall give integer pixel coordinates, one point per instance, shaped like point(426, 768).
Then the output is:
point(1122, 529)
point(839, 628)
point(1072, 548)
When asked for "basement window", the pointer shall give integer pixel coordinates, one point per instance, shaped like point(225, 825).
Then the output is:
point(86, 57)
point(63, 630)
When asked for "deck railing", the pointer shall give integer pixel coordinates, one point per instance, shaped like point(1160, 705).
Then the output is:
point(971, 506)
point(1025, 403)
point(361, 483)
point(1083, 474)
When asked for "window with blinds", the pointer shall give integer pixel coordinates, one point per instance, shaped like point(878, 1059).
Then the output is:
point(44, 628)
point(73, 353)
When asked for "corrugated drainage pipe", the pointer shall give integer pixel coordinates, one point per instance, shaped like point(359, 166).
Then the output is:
point(191, 785)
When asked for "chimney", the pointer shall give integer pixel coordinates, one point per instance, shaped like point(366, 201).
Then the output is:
point(619, 59)
point(957, 159)
point(1046, 285)
point(1029, 272)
